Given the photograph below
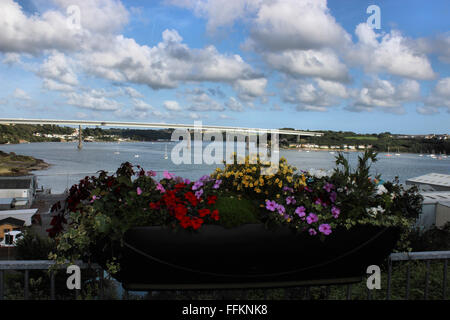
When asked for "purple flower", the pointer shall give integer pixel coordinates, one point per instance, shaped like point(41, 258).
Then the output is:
point(138, 191)
point(150, 173)
point(160, 187)
point(333, 197)
point(217, 184)
point(311, 218)
point(318, 202)
point(187, 181)
point(167, 175)
point(281, 209)
point(328, 186)
point(94, 198)
point(300, 211)
point(286, 216)
point(197, 185)
point(205, 178)
point(335, 211)
point(199, 193)
point(312, 232)
point(325, 229)
point(290, 200)
point(288, 189)
point(271, 205)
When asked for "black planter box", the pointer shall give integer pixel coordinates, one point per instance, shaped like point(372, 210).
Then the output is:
point(249, 256)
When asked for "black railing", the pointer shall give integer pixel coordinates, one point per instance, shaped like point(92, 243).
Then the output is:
point(306, 291)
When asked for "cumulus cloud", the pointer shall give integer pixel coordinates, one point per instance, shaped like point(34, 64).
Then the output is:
point(133, 93)
point(384, 95)
point(234, 105)
point(311, 63)
point(250, 89)
point(295, 24)
point(140, 105)
point(438, 98)
point(318, 95)
point(57, 68)
point(91, 100)
point(164, 65)
point(21, 94)
point(392, 54)
point(172, 105)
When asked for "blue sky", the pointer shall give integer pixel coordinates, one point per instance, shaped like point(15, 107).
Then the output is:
point(304, 64)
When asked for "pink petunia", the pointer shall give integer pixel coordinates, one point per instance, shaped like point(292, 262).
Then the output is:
point(138, 191)
point(325, 229)
point(311, 218)
point(167, 175)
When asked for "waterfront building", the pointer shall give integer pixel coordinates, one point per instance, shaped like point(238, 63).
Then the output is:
point(17, 191)
point(431, 181)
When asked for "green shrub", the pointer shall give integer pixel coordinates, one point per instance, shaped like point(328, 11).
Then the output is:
point(236, 211)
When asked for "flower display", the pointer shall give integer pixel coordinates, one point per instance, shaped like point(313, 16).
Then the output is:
point(315, 204)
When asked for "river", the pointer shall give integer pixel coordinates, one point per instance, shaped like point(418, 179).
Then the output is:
point(69, 165)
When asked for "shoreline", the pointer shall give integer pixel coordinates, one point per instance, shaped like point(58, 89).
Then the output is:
point(13, 165)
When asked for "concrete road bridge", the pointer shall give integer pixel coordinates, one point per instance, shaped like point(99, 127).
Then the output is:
point(153, 125)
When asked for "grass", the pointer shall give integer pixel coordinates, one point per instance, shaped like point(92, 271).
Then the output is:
point(13, 164)
point(363, 138)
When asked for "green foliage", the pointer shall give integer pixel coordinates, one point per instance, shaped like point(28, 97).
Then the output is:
point(236, 211)
point(34, 247)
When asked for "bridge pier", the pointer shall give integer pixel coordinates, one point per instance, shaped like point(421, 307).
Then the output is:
point(80, 139)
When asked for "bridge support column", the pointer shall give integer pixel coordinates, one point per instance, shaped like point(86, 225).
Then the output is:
point(80, 139)
point(189, 140)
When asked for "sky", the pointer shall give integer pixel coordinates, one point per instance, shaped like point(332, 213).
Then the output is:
point(305, 64)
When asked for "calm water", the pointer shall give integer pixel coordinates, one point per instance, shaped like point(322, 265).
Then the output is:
point(69, 165)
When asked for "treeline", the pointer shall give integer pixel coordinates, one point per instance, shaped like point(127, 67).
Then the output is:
point(133, 134)
point(382, 142)
point(18, 132)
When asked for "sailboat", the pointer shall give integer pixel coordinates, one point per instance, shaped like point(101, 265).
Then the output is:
point(388, 154)
point(165, 154)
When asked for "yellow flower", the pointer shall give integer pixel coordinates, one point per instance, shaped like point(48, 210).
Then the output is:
point(278, 195)
point(280, 184)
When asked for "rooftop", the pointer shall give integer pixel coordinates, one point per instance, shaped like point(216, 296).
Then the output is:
point(16, 182)
point(434, 179)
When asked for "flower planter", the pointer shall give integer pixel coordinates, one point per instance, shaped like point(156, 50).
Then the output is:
point(249, 256)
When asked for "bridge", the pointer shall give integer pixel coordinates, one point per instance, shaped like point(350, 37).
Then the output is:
point(153, 125)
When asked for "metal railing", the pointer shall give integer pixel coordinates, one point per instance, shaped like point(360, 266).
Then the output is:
point(426, 257)
point(27, 265)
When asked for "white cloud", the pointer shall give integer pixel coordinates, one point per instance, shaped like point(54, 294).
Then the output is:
point(53, 85)
point(89, 100)
point(311, 63)
point(438, 98)
point(172, 105)
point(250, 89)
point(234, 105)
point(392, 54)
point(319, 95)
point(57, 67)
point(296, 24)
point(21, 94)
point(384, 95)
point(141, 105)
point(11, 58)
point(133, 93)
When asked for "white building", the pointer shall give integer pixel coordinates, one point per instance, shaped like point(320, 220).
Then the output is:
point(18, 190)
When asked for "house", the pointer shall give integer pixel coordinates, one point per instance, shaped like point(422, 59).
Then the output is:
point(18, 191)
point(435, 209)
point(431, 181)
point(10, 224)
point(25, 215)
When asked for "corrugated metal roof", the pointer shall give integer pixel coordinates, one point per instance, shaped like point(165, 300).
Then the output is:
point(10, 183)
point(437, 179)
point(434, 197)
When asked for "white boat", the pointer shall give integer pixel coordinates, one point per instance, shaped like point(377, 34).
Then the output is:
point(117, 152)
point(165, 154)
point(331, 152)
point(136, 156)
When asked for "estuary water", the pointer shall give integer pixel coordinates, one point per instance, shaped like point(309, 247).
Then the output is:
point(69, 165)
